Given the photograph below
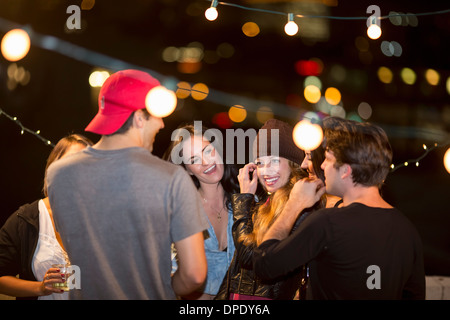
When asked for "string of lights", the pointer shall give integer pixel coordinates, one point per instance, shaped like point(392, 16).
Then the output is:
point(214, 4)
point(24, 129)
point(291, 28)
point(88, 56)
point(417, 160)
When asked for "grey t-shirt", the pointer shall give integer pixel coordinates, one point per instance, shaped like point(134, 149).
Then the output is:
point(118, 211)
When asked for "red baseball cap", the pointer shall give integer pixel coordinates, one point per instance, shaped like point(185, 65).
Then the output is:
point(122, 93)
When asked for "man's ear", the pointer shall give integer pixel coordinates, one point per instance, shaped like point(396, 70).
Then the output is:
point(346, 171)
point(138, 119)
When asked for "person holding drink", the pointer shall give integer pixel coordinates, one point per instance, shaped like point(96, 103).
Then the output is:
point(30, 245)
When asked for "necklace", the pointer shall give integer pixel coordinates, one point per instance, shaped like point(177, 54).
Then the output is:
point(219, 213)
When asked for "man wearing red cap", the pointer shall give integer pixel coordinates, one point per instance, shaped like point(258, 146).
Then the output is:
point(119, 208)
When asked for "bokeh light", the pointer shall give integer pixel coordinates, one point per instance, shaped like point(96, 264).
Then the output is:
point(408, 76)
point(184, 90)
point(87, 4)
point(97, 78)
point(222, 120)
point(447, 85)
point(432, 77)
point(250, 29)
point(362, 44)
point(447, 160)
point(160, 102)
point(385, 74)
point(15, 45)
point(364, 110)
point(307, 136)
point(312, 116)
point(401, 19)
point(237, 113)
point(263, 114)
point(312, 94)
point(391, 48)
point(199, 91)
point(333, 96)
point(338, 73)
point(338, 111)
point(171, 54)
point(312, 80)
point(225, 50)
point(312, 67)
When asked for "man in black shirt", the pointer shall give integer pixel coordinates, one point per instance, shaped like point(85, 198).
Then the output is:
point(365, 249)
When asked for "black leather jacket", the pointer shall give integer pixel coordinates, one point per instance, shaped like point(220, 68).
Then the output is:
point(240, 277)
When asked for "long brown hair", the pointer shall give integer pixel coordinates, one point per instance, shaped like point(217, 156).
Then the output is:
point(268, 212)
point(229, 180)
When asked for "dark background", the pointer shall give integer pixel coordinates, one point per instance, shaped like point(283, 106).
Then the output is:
point(59, 100)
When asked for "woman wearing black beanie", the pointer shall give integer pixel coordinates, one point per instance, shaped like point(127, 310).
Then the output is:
point(277, 167)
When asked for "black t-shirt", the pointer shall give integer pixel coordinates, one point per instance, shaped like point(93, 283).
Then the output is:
point(354, 252)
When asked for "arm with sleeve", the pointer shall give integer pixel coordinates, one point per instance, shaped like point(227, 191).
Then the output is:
point(274, 258)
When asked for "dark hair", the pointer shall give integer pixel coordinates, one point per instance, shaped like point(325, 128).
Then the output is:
point(317, 158)
point(60, 149)
point(229, 180)
point(364, 146)
point(127, 124)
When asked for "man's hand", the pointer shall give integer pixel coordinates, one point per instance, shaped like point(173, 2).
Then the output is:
point(304, 194)
point(307, 192)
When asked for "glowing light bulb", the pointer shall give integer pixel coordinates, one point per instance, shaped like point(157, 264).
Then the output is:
point(160, 102)
point(15, 44)
point(97, 78)
point(291, 28)
point(374, 31)
point(307, 135)
point(211, 13)
point(447, 160)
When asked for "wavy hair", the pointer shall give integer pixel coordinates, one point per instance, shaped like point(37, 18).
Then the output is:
point(266, 213)
point(229, 180)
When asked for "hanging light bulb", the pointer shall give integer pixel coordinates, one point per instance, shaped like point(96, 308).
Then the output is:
point(160, 102)
point(447, 160)
point(15, 44)
point(373, 22)
point(307, 135)
point(211, 13)
point(291, 28)
point(374, 32)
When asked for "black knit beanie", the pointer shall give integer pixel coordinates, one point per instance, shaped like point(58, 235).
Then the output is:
point(275, 132)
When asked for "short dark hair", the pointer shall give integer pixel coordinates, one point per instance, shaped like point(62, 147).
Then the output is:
point(127, 125)
point(364, 146)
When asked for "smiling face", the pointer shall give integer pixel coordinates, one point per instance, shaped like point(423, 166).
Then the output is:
point(202, 160)
point(273, 172)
